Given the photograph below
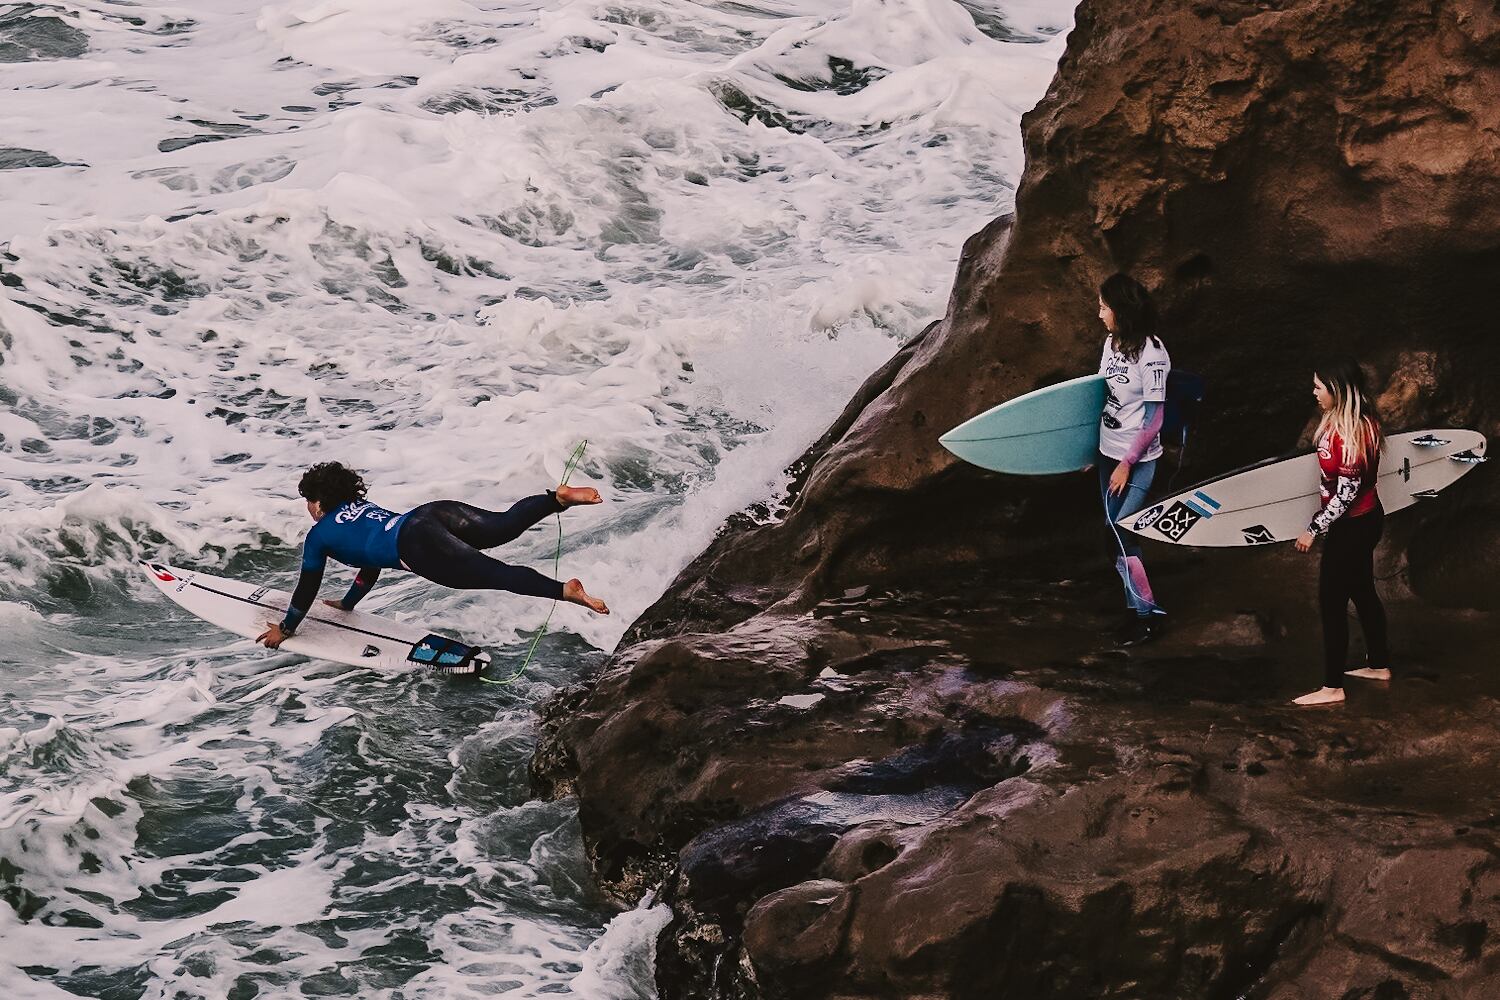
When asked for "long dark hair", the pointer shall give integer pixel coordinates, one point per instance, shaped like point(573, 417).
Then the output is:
point(1352, 416)
point(1135, 314)
point(331, 485)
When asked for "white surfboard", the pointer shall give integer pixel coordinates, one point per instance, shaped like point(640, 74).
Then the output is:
point(351, 637)
point(1275, 501)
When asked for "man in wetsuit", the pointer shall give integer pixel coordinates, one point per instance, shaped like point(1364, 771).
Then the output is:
point(440, 541)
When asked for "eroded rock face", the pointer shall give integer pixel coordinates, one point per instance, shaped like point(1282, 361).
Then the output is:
point(985, 800)
point(1296, 179)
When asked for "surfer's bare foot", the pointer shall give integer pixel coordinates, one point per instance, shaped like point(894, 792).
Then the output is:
point(1322, 696)
point(1370, 673)
point(573, 496)
point(574, 593)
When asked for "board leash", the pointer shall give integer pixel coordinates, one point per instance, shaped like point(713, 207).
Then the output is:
point(536, 639)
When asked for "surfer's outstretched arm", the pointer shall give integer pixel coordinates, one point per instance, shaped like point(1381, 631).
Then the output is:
point(301, 602)
point(314, 560)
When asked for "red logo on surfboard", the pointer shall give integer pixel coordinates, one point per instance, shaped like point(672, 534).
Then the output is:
point(161, 574)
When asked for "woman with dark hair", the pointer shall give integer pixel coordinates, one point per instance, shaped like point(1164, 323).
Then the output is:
point(1135, 364)
point(439, 541)
point(1351, 521)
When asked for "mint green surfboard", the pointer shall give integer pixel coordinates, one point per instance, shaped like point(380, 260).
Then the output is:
point(1051, 430)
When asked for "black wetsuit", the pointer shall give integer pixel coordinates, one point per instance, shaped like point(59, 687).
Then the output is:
point(1348, 574)
point(439, 541)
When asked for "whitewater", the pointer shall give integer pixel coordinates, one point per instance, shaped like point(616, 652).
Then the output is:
point(441, 242)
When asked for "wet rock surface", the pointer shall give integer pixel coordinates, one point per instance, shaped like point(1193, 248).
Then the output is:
point(989, 798)
point(992, 800)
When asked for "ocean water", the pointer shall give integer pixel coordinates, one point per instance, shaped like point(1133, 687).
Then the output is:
point(442, 242)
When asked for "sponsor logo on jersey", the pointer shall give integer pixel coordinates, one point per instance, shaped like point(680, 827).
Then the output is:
point(1178, 521)
point(354, 511)
point(351, 512)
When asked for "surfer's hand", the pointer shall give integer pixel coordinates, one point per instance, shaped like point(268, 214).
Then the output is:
point(1305, 541)
point(1119, 479)
point(272, 636)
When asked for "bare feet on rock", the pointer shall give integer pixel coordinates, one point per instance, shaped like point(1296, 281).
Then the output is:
point(1370, 673)
point(574, 593)
point(1322, 696)
point(574, 496)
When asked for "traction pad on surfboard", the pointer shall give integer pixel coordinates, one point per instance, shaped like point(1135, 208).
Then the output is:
point(444, 655)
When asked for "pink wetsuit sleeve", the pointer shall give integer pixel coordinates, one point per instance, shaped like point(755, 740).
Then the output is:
point(1155, 414)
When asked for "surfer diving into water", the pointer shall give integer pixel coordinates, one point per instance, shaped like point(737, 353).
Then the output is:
point(1135, 365)
point(439, 541)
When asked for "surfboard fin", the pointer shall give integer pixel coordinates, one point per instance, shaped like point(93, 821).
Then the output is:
point(442, 655)
point(1469, 457)
point(1429, 441)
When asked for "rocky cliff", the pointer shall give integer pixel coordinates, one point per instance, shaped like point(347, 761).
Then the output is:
point(880, 748)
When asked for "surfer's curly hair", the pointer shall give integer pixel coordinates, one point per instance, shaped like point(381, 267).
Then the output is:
point(331, 485)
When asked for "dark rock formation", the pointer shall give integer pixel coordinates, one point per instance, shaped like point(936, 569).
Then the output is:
point(1296, 179)
point(985, 801)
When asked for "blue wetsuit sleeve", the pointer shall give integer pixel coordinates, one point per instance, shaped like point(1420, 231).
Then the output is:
point(362, 584)
point(314, 558)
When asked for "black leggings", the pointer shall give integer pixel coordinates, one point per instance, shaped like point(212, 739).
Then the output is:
point(1348, 574)
point(441, 541)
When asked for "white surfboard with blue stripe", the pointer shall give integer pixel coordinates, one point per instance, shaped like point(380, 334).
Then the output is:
point(1274, 501)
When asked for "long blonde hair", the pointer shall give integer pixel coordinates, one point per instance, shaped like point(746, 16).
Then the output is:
point(1352, 416)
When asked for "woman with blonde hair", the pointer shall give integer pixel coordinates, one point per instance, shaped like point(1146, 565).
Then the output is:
point(1351, 520)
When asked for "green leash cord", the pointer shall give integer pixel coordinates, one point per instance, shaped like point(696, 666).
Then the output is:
point(536, 640)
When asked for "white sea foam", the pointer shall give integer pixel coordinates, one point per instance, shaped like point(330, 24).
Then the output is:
point(442, 242)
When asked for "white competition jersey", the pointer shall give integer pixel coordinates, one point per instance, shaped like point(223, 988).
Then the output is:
point(1131, 386)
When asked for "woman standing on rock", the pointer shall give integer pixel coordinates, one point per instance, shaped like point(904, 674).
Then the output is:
point(1349, 443)
point(1135, 365)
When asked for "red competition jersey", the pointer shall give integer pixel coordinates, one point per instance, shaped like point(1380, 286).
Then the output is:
point(1331, 466)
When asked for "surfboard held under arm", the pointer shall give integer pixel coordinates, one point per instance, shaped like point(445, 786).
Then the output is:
point(350, 637)
point(1275, 501)
point(1052, 430)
